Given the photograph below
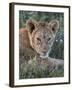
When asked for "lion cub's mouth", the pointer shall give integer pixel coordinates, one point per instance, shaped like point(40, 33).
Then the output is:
point(44, 55)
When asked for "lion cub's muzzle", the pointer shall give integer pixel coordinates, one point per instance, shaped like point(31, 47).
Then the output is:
point(44, 55)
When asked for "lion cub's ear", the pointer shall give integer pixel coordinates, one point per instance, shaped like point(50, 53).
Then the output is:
point(31, 25)
point(54, 24)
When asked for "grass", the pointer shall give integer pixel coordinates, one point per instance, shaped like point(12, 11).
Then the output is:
point(33, 70)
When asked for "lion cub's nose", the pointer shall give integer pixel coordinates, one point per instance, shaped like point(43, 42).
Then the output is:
point(44, 52)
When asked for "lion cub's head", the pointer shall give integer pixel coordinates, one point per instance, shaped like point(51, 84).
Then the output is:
point(42, 35)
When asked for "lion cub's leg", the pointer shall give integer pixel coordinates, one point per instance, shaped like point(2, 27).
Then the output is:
point(51, 63)
point(55, 64)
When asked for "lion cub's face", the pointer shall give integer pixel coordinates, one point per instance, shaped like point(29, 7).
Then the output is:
point(42, 36)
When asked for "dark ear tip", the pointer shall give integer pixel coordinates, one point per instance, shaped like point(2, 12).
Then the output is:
point(30, 24)
point(29, 21)
point(54, 24)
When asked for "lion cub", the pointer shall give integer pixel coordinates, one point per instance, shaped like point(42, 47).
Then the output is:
point(36, 40)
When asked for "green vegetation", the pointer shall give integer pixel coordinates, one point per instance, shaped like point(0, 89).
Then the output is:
point(33, 70)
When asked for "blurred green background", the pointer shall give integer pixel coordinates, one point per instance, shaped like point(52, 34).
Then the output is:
point(57, 50)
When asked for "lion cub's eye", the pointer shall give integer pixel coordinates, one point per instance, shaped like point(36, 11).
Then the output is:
point(49, 38)
point(39, 39)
